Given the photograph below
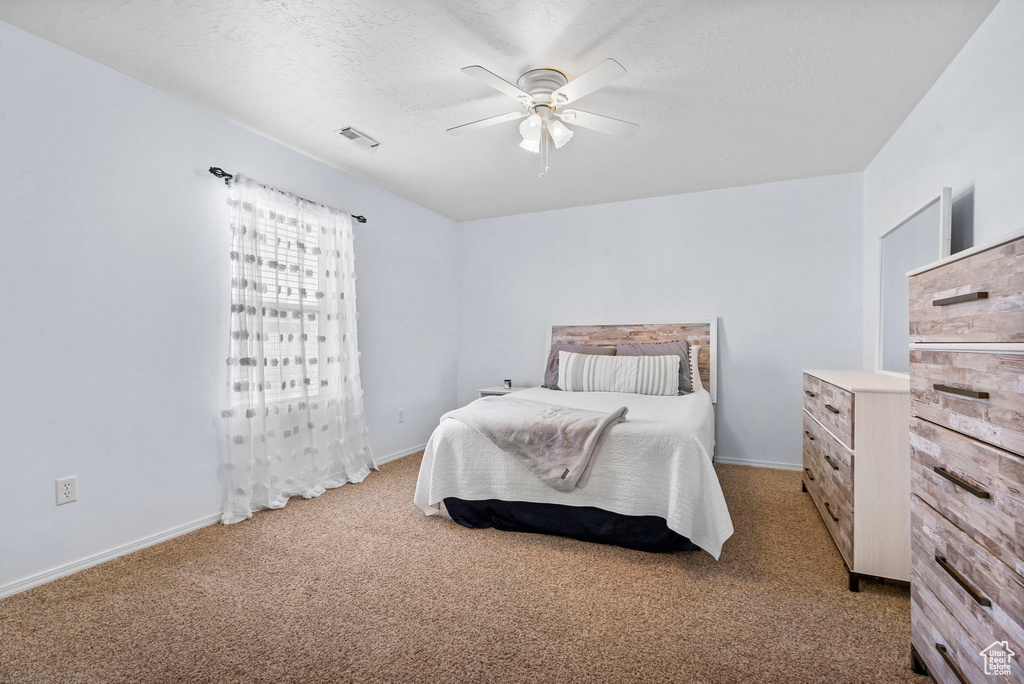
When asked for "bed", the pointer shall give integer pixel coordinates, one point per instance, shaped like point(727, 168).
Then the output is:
point(652, 484)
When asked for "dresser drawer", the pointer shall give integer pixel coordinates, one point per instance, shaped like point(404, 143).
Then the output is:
point(980, 592)
point(834, 504)
point(812, 483)
point(976, 393)
point(838, 517)
point(833, 460)
point(950, 654)
point(976, 486)
point(812, 456)
point(977, 299)
point(814, 473)
point(832, 406)
point(812, 394)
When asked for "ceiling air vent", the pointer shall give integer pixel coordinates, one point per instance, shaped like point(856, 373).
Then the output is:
point(360, 140)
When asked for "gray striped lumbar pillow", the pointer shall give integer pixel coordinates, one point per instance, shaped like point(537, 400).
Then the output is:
point(634, 374)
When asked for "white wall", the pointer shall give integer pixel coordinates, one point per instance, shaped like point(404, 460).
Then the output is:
point(967, 133)
point(778, 263)
point(113, 266)
point(114, 272)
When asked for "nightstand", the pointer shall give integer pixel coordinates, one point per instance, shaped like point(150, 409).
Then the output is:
point(498, 391)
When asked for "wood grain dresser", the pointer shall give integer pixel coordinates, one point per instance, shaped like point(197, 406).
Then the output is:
point(967, 460)
point(857, 468)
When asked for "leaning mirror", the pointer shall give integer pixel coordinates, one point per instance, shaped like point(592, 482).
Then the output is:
point(919, 240)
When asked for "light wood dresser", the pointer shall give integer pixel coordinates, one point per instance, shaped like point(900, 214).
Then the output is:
point(857, 468)
point(967, 460)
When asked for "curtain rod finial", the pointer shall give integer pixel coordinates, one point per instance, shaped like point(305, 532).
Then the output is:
point(221, 173)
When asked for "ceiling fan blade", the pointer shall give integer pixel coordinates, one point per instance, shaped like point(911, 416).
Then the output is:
point(498, 83)
point(596, 122)
point(598, 77)
point(484, 123)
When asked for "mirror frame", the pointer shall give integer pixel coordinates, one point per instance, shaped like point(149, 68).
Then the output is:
point(945, 200)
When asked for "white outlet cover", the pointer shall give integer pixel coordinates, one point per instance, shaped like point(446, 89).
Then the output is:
point(67, 490)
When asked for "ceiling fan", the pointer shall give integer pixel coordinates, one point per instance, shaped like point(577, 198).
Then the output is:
point(544, 95)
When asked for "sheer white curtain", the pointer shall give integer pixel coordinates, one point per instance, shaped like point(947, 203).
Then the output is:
point(295, 423)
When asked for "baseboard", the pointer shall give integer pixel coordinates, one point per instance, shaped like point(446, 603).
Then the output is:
point(399, 454)
point(760, 464)
point(49, 575)
point(88, 562)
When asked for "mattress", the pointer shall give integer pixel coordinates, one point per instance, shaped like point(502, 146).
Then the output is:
point(657, 463)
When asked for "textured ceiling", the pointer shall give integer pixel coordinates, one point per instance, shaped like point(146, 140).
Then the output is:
point(726, 92)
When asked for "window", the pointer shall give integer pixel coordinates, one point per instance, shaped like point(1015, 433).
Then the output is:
point(286, 266)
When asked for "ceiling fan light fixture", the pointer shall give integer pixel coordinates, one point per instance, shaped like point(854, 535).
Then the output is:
point(531, 145)
point(530, 129)
point(559, 133)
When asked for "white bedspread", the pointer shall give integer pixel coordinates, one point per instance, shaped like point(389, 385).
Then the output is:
point(658, 462)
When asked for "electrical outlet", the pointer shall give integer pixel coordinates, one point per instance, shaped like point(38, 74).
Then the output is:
point(401, 415)
point(67, 489)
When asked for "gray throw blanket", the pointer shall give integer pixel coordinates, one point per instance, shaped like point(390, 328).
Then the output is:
point(556, 443)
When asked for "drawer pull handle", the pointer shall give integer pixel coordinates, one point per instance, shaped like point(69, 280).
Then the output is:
point(979, 598)
point(831, 408)
point(810, 393)
point(980, 493)
point(809, 475)
point(959, 299)
point(962, 392)
point(830, 462)
point(809, 435)
point(950, 663)
point(828, 507)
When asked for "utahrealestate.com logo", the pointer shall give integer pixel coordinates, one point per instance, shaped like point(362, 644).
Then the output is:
point(998, 658)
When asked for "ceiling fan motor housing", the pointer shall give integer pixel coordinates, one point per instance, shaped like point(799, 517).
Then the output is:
point(540, 83)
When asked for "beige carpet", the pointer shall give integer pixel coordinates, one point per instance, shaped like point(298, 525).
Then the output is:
point(359, 586)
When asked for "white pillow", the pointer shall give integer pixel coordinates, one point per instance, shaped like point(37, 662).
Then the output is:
point(694, 370)
point(657, 375)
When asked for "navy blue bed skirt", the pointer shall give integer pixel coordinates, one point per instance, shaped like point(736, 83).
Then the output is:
point(641, 532)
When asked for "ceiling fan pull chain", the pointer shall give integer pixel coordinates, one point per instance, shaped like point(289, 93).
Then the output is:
point(545, 142)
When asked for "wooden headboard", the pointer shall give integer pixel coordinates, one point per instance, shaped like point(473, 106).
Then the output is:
point(702, 332)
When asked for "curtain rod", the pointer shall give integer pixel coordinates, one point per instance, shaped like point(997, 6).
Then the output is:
point(221, 173)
